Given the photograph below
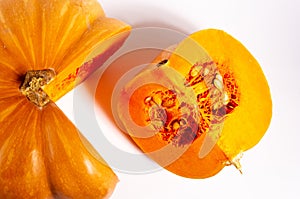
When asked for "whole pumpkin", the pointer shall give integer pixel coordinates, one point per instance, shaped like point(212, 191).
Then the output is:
point(46, 48)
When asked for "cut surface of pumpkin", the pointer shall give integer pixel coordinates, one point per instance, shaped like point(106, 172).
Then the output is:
point(47, 47)
point(194, 110)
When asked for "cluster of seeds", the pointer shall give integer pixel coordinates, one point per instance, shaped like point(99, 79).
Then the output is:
point(175, 122)
point(181, 123)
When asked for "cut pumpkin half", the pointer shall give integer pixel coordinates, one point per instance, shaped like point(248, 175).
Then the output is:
point(198, 106)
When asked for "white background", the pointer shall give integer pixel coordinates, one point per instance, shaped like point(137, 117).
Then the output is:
point(270, 30)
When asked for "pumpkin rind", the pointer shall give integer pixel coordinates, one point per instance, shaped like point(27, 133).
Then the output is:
point(73, 171)
point(40, 158)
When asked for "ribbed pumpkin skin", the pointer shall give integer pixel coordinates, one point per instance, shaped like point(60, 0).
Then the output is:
point(42, 154)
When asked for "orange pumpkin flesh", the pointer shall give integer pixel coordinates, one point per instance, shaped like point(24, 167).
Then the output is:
point(161, 114)
point(153, 114)
point(174, 153)
point(47, 48)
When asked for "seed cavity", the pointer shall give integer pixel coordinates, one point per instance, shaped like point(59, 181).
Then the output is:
point(181, 123)
point(174, 122)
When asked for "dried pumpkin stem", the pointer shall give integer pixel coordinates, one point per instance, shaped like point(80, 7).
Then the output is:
point(32, 85)
point(236, 162)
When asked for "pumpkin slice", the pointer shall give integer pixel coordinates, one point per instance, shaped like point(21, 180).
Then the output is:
point(46, 48)
point(95, 46)
point(199, 111)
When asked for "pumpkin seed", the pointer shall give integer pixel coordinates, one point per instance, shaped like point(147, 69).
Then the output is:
point(205, 71)
point(218, 84)
point(195, 71)
point(219, 77)
point(225, 98)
